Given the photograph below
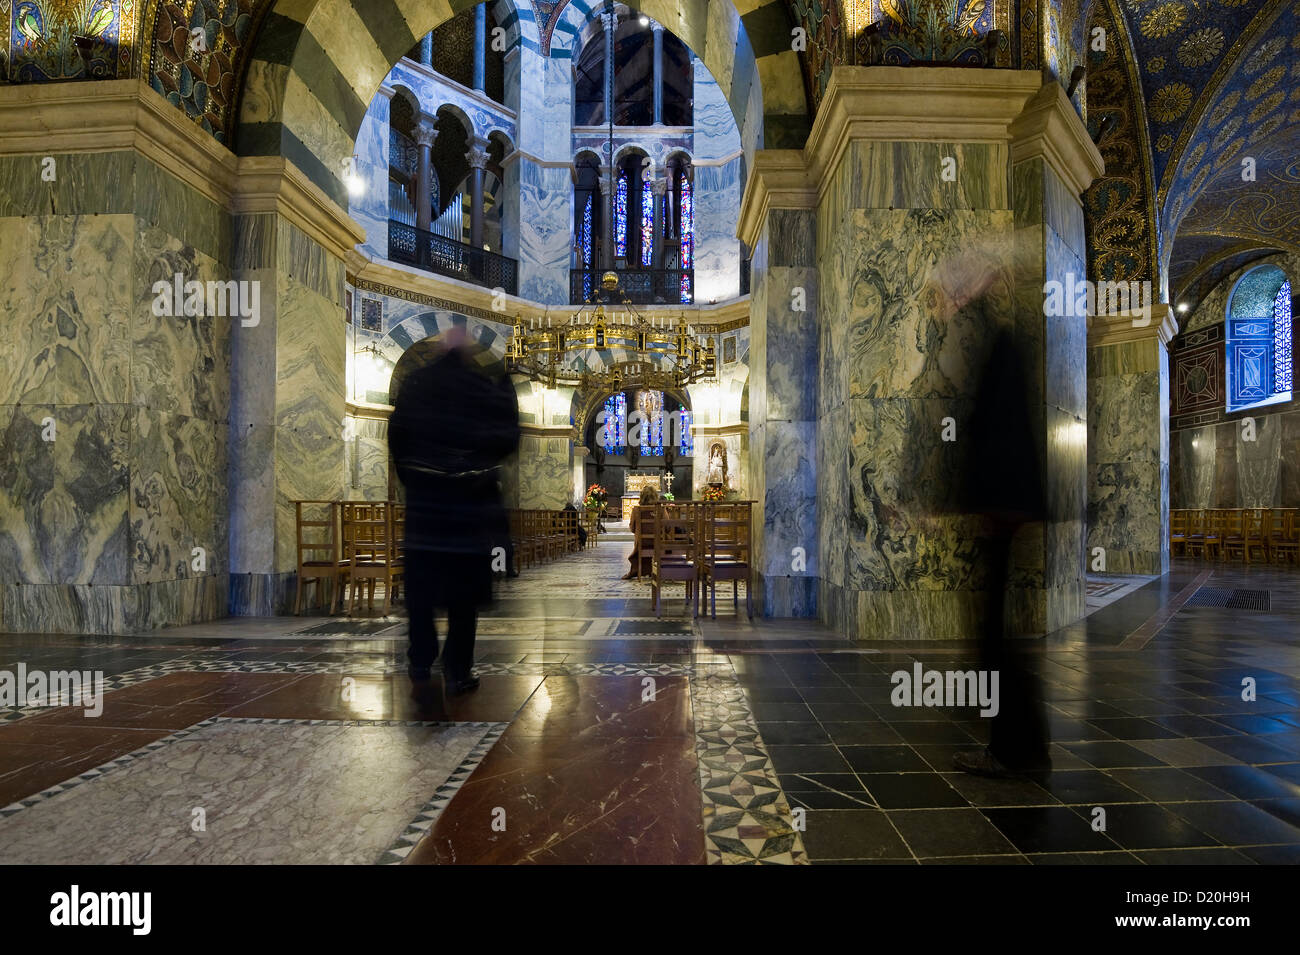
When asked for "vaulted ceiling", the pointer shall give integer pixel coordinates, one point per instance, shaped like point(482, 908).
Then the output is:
point(1218, 86)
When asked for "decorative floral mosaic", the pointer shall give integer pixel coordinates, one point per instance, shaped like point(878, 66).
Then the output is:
point(41, 39)
point(197, 56)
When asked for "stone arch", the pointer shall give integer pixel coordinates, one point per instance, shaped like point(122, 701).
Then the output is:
point(412, 341)
point(316, 65)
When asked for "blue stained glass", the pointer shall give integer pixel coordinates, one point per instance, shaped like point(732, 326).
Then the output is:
point(688, 445)
point(1282, 339)
point(647, 223)
point(657, 425)
point(615, 426)
point(688, 234)
point(620, 216)
point(584, 242)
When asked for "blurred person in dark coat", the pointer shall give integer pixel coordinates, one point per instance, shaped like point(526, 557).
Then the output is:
point(453, 423)
point(1000, 479)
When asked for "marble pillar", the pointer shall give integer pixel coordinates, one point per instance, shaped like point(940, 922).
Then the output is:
point(288, 405)
point(477, 157)
point(785, 470)
point(113, 412)
point(425, 136)
point(368, 207)
point(906, 176)
point(1128, 442)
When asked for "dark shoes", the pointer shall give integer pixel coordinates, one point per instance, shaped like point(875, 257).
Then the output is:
point(456, 686)
point(419, 674)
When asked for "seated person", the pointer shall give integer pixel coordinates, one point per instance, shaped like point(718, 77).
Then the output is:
point(649, 497)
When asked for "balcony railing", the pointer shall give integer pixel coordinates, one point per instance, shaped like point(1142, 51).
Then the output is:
point(443, 256)
point(643, 286)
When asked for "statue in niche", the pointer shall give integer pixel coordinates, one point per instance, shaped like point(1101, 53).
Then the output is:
point(717, 472)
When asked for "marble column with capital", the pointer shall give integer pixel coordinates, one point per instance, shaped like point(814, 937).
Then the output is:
point(899, 365)
point(607, 219)
point(659, 186)
point(477, 157)
point(1128, 441)
point(425, 136)
point(658, 74)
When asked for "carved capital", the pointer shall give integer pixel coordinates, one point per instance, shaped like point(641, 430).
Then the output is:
point(425, 134)
point(477, 154)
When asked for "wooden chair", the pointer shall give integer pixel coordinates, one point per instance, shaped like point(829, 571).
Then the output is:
point(1284, 539)
point(643, 538)
point(1254, 520)
point(728, 551)
point(1231, 538)
point(1196, 529)
point(675, 553)
point(320, 551)
point(370, 535)
point(1215, 522)
point(591, 524)
point(1178, 533)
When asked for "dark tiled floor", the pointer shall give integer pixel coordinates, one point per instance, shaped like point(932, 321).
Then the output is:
point(1157, 757)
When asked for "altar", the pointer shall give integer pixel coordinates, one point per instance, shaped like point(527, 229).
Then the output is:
point(634, 483)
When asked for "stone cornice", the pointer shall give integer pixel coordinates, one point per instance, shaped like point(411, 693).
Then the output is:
point(893, 104)
point(117, 115)
point(272, 184)
point(780, 179)
point(1133, 327)
point(907, 104)
point(1050, 128)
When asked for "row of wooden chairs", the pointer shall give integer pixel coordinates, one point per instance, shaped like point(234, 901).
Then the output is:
point(1272, 534)
point(541, 535)
point(356, 544)
point(698, 543)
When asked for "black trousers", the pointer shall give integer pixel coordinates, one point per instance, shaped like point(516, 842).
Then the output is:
point(428, 575)
point(1018, 736)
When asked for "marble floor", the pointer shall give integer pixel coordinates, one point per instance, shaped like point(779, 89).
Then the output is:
point(603, 734)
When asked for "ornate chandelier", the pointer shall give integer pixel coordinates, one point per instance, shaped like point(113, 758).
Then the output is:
point(648, 353)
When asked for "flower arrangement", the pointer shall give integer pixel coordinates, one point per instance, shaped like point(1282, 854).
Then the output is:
point(596, 497)
point(667, 496)
point(715, 492)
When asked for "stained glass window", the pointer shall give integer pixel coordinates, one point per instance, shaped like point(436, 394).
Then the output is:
point(687, 233)
point(1257, 340)
point(647, 223)
point(615, 427)
point(1282, 339)
point(620, 216)
point(688, 445)
point(584, 243)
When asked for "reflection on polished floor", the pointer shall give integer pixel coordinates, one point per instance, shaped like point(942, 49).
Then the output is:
point(597, 738)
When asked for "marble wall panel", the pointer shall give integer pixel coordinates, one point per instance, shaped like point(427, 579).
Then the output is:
point(179, 496)
point(1040, 196)
point(1289, 472)
point(369, 207)
point(83, 184)
point(789, 464)
point(544, 471)
point(67, 296)
point(915, 175)
point(63, 502)
point(1227, 488)
point(790, 342)
point(1193, 469)
point(1259, 464)
point(180, 364)
point(252, 495)
point(546, 232)
point(366, 458)
point(716, 133)
point(164, 202)
point(717, 250)
point(1065, 351)
point(306, 261)
point(896, 343)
